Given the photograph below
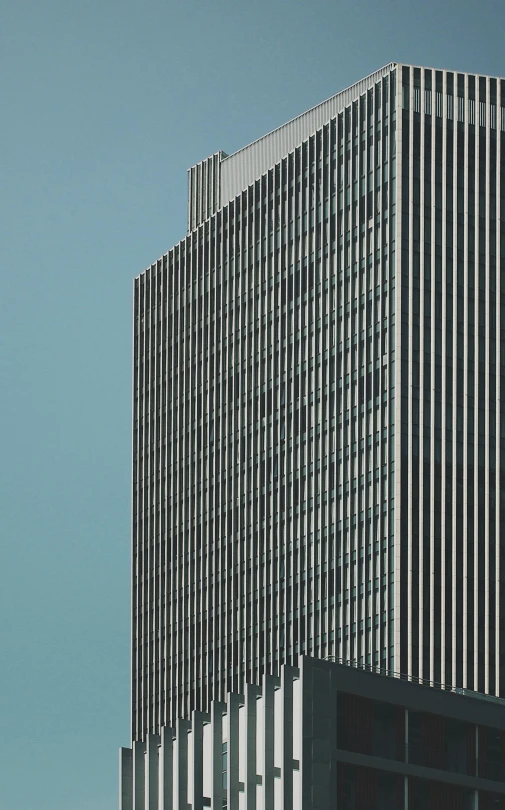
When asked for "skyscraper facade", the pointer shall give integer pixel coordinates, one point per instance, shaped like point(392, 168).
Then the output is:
point(317, 440)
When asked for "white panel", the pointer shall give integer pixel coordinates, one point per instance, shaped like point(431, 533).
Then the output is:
point(190, 766)
point(296, 787)
point(277, 794)
point(242, 759)
point(297, 718)
point(207, 759)
point(278, 728)
point(260, 714)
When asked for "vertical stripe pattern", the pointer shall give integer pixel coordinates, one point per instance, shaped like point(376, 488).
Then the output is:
point(318, 424)
point(451, 133)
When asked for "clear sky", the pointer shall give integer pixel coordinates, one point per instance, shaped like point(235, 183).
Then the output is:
point(104, 105)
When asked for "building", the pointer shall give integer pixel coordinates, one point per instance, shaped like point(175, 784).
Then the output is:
point(318, 415)
point(315, 739)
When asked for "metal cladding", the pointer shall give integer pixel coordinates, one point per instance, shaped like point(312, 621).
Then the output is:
point(204, 189)
point(237, 171)
point(317, 413)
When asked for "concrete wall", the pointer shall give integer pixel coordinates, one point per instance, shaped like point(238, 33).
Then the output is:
point(276, 747)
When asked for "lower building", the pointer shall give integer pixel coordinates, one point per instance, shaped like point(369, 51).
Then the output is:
point(326, 735)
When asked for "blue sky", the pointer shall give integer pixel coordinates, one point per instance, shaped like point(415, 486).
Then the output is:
point(104, 107)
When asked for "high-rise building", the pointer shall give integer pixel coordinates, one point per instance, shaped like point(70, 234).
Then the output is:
point(319, 426)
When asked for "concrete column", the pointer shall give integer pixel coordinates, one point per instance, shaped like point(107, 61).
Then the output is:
point(268, 748)
point(125, 779)
point(251, 694)
point(287, 738)
point(166, 769)
point(197, 720)
point(152, 779)
point(181, 765)
point(331, 711)
point(305, 798)
point(139, 775)
point(218, 794)
point(234, 702)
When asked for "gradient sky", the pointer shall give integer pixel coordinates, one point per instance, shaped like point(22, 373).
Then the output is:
point(104, 106)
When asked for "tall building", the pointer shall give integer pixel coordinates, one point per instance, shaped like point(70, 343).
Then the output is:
point(318, 417)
